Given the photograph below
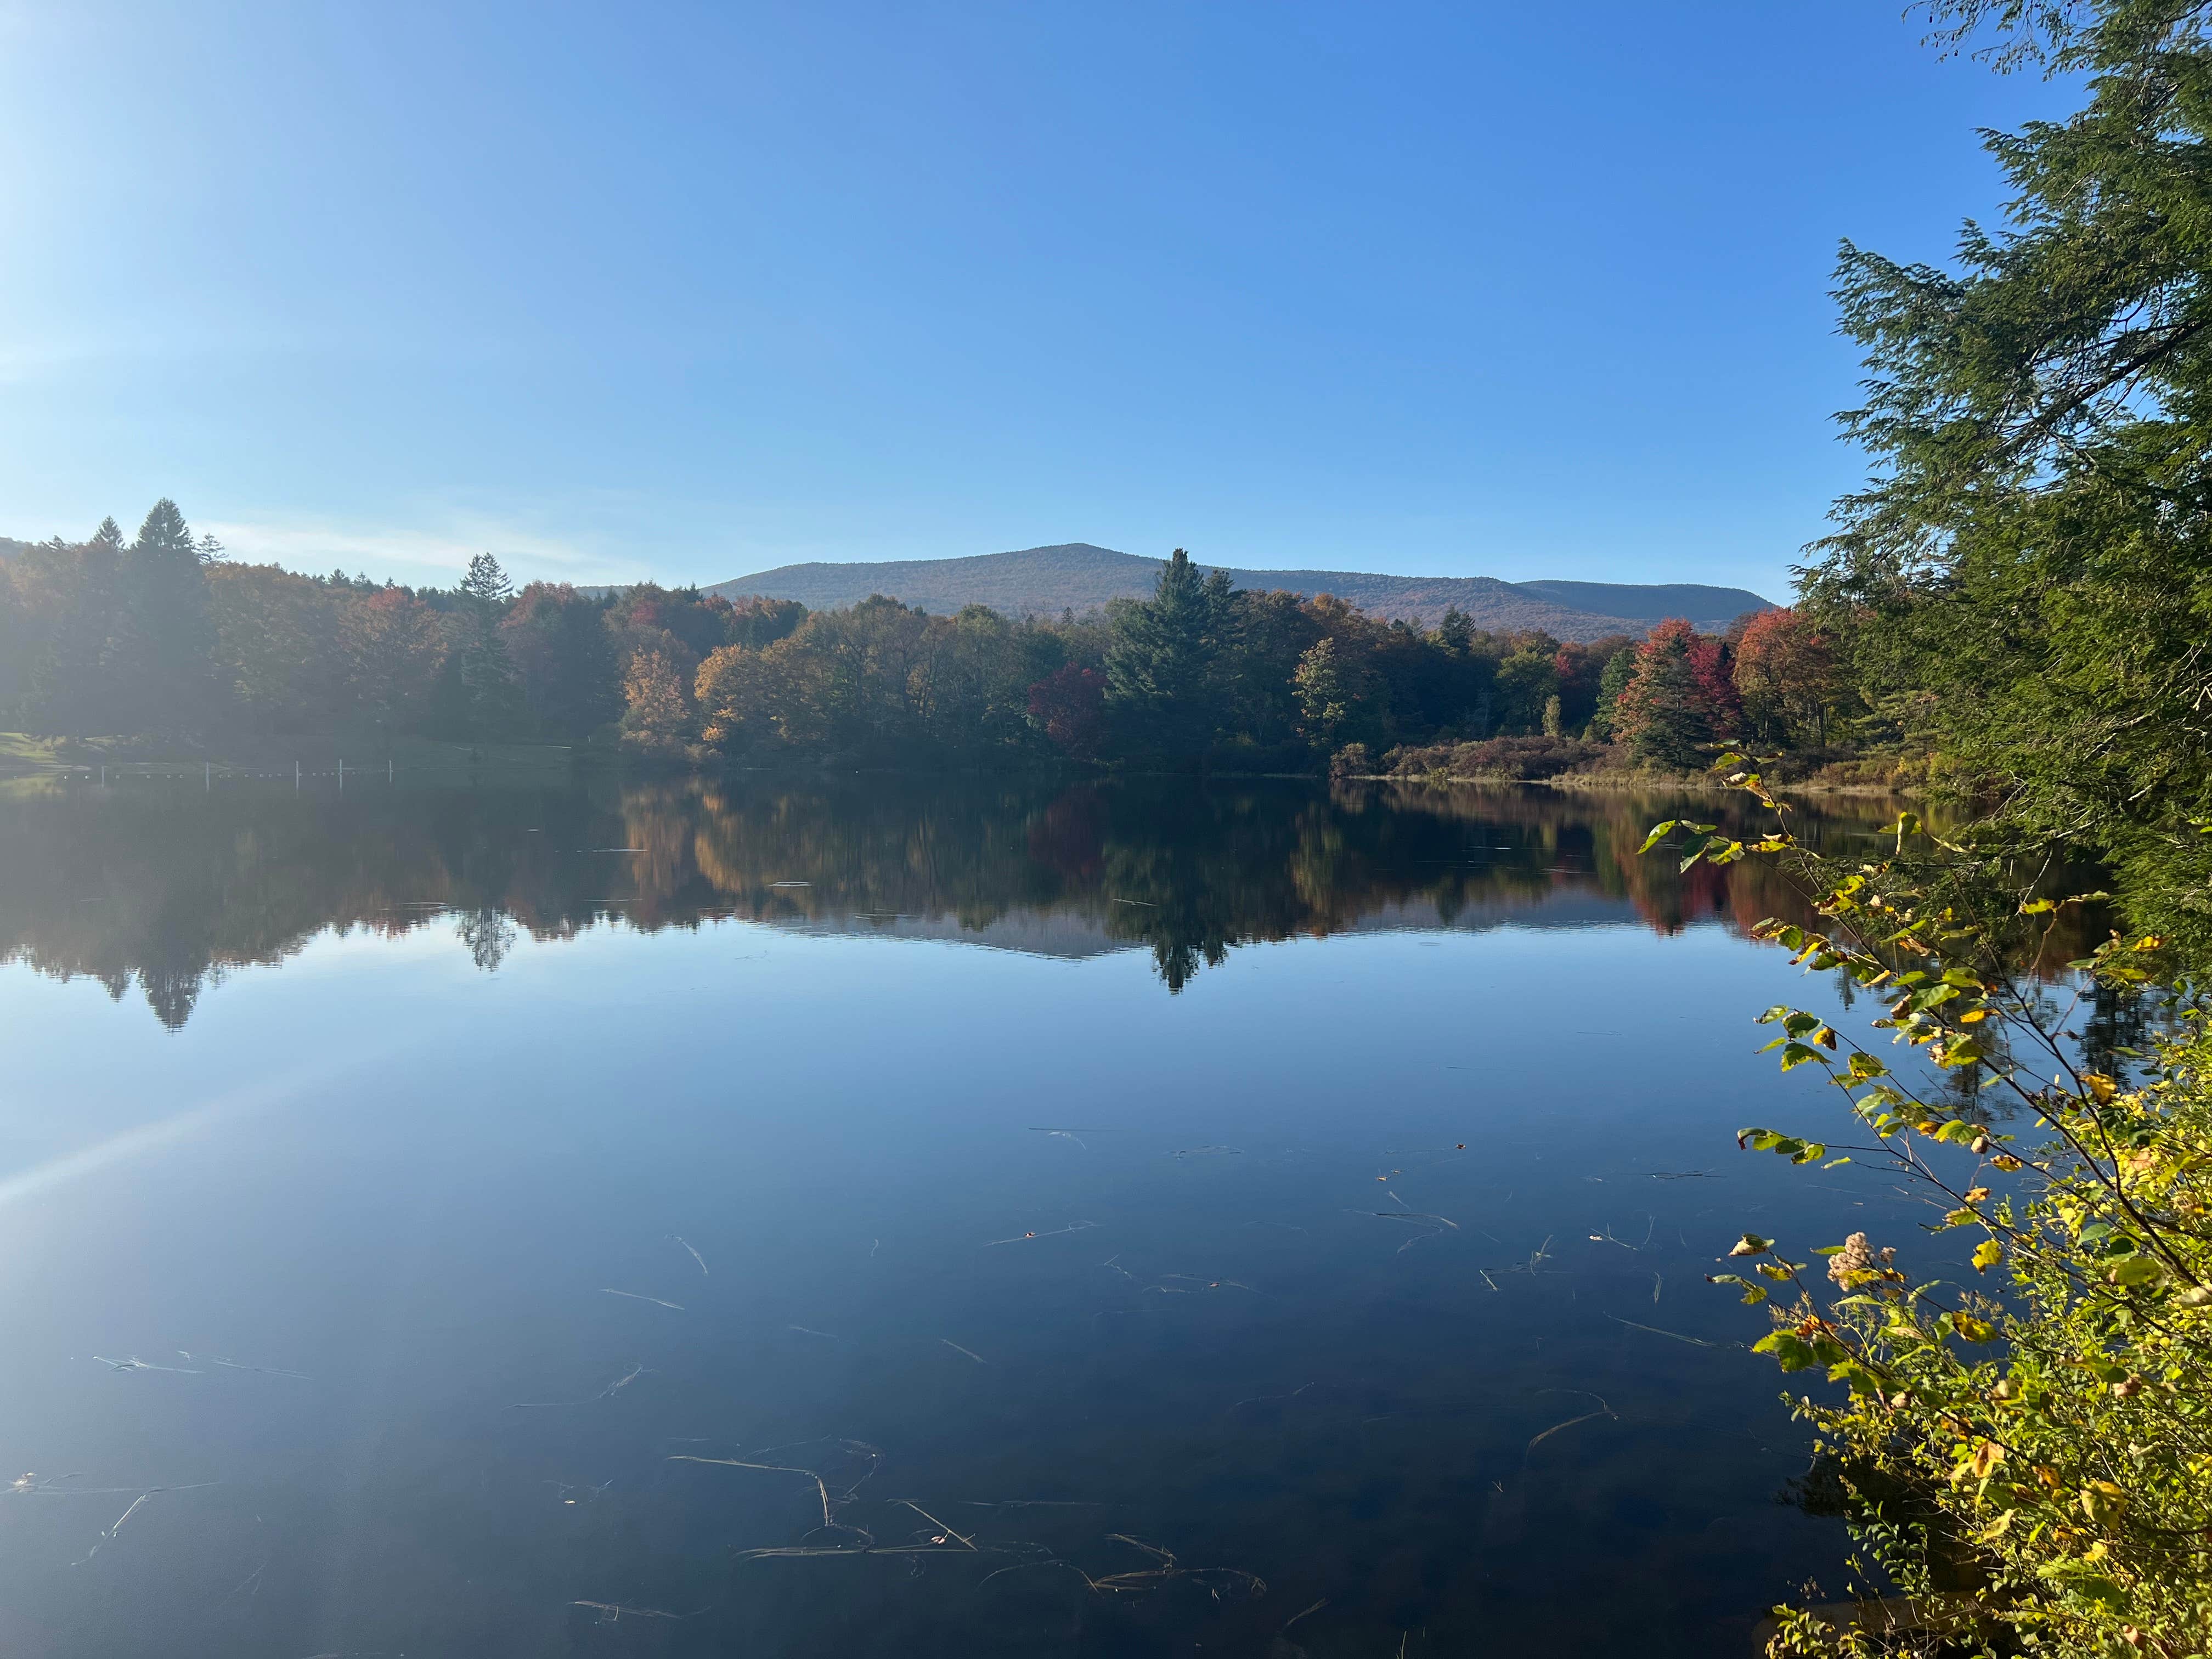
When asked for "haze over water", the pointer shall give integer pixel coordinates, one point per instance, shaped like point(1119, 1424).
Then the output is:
point(1128, 1215)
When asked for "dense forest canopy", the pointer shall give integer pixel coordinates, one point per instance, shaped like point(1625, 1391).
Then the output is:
point(159, 636)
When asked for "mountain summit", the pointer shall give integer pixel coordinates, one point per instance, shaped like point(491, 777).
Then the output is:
point(1078, 576)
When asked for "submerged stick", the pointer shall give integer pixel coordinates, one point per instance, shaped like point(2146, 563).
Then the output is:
point(695, 1256)
point(264, 1370)
point(676, 1306)
point(1694, 1341)
point(611, 1612)
point(1603, 1410)
point(1569, 1424)
point(607, 1392)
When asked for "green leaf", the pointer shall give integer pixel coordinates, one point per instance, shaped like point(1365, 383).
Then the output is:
point(1788, 1348)
point(1987, 1254)
point(1659, 833)
point(1796, 1054)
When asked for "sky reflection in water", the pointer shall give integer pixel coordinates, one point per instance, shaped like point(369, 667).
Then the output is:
point(1317, 1189)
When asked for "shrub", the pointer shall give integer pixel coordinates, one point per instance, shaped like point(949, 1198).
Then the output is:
point(2046, 1418)
point(1523, 757)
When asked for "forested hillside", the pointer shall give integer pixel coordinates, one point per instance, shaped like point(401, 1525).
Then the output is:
point(1044, 581)
point(159, 638)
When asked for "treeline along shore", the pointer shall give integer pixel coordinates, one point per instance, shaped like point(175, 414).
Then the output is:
point(161, 639)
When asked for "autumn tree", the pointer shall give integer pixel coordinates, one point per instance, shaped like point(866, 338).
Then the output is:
point(1665, 713)
point(1070, 706)
point(391, 648)
point(1790, 677)
point(657, 717)
point(564, 659)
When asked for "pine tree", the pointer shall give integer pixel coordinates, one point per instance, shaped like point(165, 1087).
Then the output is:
point(167, 678)
point(492, 690)
point(1619, 669)
point(1663, 713)
point(1165, 662)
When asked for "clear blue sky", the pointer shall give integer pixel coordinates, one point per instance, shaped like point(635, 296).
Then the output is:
point(687, 291)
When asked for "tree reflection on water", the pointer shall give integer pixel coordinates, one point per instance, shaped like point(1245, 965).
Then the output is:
point(153, 885)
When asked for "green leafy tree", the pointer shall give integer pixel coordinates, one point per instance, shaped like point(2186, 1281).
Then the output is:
point(1326, 693)
point(1526, 680)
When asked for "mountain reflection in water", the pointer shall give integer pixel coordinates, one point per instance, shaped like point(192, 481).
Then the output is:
point(159, 884)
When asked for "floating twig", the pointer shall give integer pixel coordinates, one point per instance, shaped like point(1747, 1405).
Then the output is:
point(956, 1348)
point(1079, 1226)
point(136, 1502)
point(933, 1521)
point(134, 1364)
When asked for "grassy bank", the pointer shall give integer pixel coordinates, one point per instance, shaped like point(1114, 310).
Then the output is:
point(23, 755)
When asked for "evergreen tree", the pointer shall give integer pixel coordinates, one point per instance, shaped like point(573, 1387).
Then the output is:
point(492, 691)
point(2031, 567)
point(1619, 669)
point(169, 674)
point(1663, 713)
point(1165, 664)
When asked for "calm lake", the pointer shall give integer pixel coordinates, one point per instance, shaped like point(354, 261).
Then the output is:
point(888, 1218)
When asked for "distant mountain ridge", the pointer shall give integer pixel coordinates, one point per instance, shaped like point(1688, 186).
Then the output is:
point(1078, 576)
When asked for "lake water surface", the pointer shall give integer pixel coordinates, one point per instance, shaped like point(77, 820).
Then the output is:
point(880, 1217)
